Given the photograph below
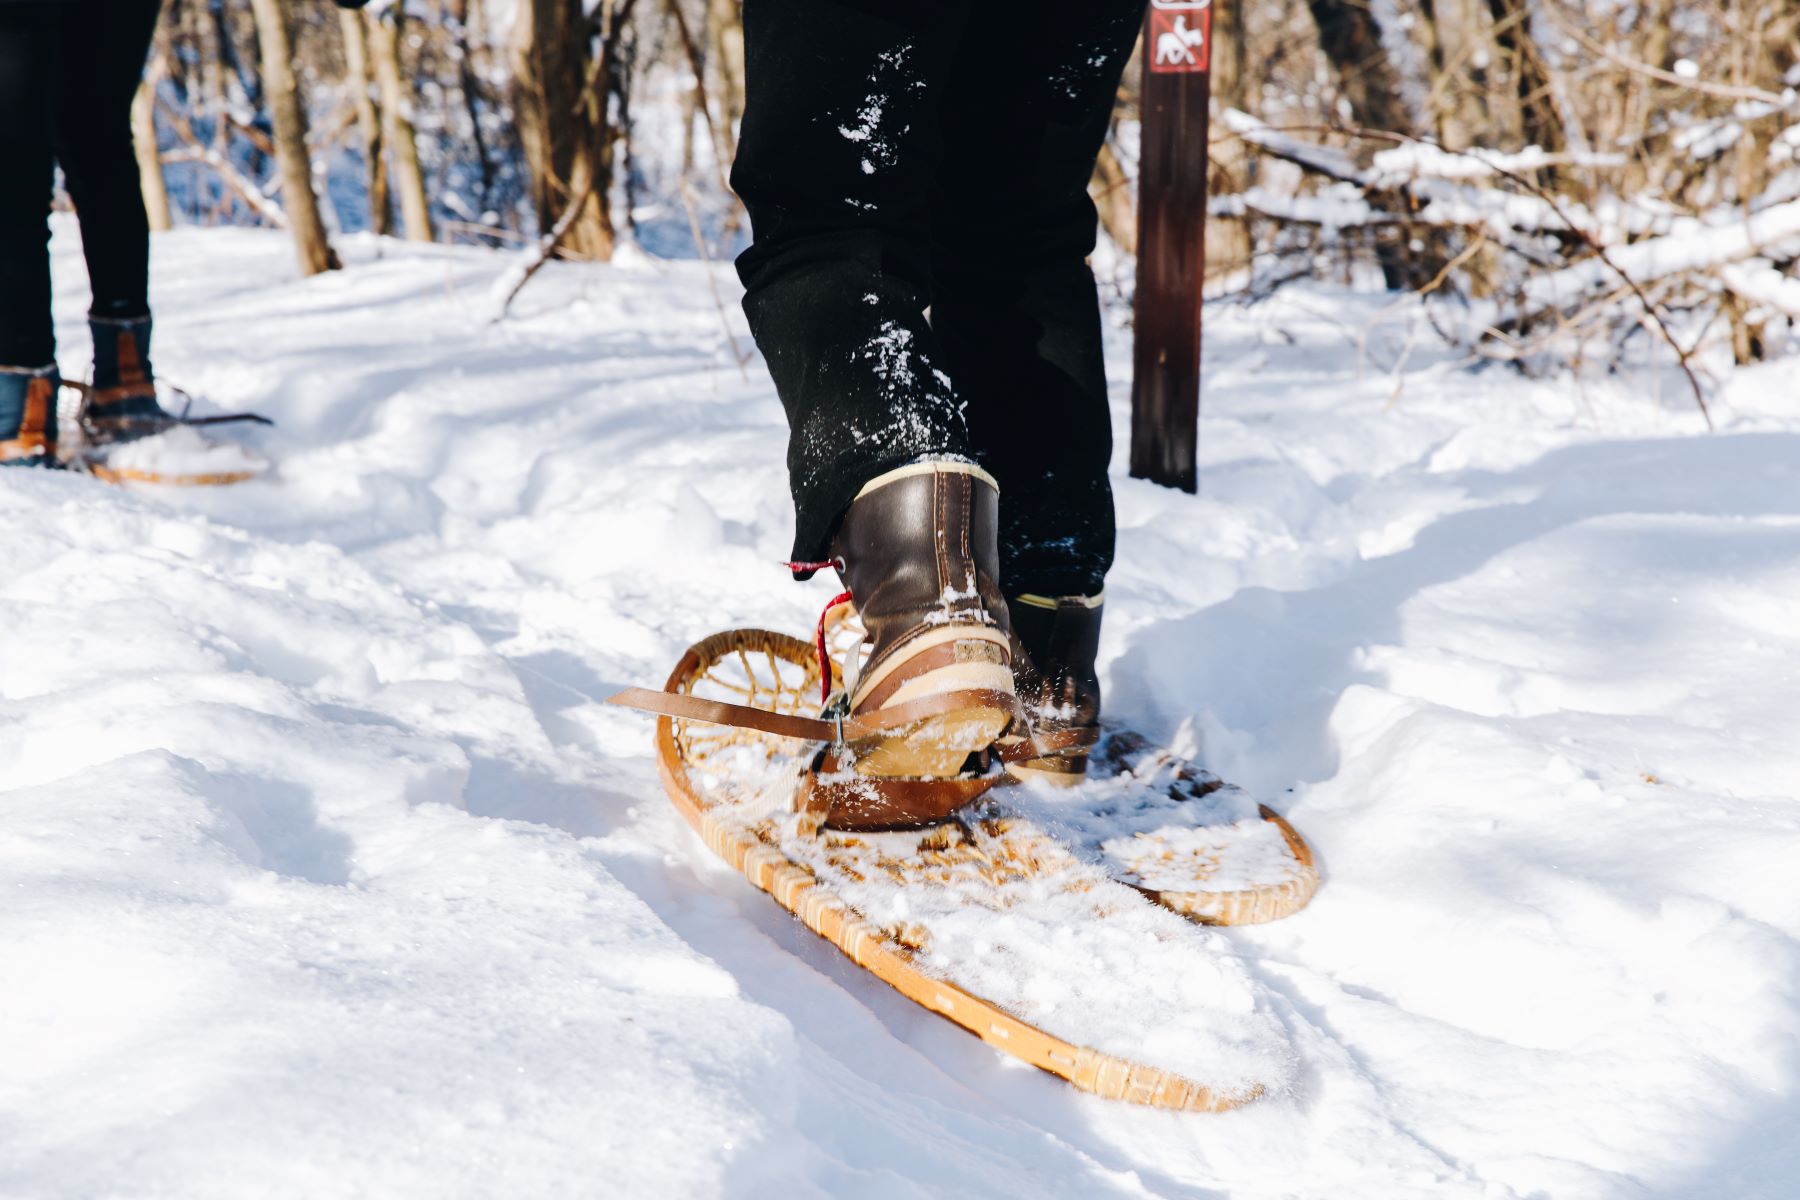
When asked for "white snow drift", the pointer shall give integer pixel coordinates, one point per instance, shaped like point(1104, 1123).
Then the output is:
point(323, 872)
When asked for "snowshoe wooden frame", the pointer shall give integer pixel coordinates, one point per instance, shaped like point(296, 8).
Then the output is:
point(799, 891)
point(100, 471)
point(1252, 906)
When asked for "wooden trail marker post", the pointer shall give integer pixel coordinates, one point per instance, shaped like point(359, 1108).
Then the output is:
point(1165, 389)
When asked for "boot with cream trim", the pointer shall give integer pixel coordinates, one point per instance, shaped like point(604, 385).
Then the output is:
point(918, 552)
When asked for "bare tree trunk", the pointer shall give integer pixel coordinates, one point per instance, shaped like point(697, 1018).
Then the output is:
point(248, 79)
point(562, 122)
point(356, 59)
point(725, 33)
point(1351, 39)
point(1459, 48)
point(143, 140)
point(466, 19)
point(396, 110)
point(690, 113)
point(288, 115)
point(1540, 124)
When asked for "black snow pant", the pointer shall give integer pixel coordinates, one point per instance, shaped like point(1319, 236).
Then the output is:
point(935, 154)
point(68, 70)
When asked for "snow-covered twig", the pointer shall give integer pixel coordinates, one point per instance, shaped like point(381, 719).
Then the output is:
point(1695, 246)
point(1720, 90)
point(247, 189)
point(512, 281)
point(1557, 289)
point(1761, 282)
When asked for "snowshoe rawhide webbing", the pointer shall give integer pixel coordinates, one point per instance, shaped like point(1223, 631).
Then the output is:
point(1175, 831)
point(28, 416)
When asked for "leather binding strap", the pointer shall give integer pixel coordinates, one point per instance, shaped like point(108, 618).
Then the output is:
point(859, 728)
point(717, 712)
point(864, 803)
point(1049, 743)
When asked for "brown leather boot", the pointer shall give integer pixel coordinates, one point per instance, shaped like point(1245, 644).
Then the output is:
point(28, 416)
point(919, 555)
point(1056, 642)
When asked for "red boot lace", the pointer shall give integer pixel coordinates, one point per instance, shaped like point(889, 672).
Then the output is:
point(824, 654)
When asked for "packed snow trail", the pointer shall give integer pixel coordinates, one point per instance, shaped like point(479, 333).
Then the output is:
point(326, 872)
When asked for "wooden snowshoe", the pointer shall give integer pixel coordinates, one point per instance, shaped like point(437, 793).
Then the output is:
point(173, 452)
point(982, 919)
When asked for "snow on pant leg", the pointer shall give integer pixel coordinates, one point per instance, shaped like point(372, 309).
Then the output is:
point(99, 62)
point(839, 146)
point(1014, 307)
point(27, 336)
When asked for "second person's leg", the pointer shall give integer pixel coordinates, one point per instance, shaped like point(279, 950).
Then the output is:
point(98, 65)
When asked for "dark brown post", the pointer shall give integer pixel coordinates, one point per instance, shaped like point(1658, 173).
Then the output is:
point(1165, 390)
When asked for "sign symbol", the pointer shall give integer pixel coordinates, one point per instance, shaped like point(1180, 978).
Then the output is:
point(1174, 47)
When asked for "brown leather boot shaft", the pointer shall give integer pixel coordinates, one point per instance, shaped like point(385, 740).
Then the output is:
point(1056, 647)
point(920, 553)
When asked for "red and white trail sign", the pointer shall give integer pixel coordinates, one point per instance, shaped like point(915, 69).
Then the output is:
point(1180, 36)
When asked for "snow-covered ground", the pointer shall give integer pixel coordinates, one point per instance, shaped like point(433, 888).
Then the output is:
point(325, 872)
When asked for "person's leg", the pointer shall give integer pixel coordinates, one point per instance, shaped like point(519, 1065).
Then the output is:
point(28, 380)
point(1017, 317)
point(840, 142)
point(1014, 304)
point(99, 63)
point(27, 336)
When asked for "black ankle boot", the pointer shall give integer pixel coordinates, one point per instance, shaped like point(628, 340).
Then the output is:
point(1055, 645)
point(121, 404)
